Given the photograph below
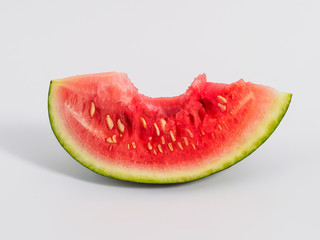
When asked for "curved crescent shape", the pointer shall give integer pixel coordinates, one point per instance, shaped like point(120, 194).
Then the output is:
point(268, 108)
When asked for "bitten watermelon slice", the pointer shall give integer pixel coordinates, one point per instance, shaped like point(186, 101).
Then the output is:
point(106, 125)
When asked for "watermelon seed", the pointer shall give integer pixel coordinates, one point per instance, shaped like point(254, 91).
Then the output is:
point(92, 109)
point(150, 138)
point(222, 107)
point(163, 124)
point(172, 136)
point(134, 145)
point(128, 146)
point(157, 129)
point(143, 122)
point(170, 146)
point(155, 152)
point(186, 141)
point(222, 99)
point(162, 140)
point(110, 148)
point(109, 140)
point(219, 126)
point(202, 132)
point(194, 147)
point(190, 133)
point(120, 126)
point(160, 148)
point(180, 146)
point(149, 146)
point(114, 138)
point(109, 122)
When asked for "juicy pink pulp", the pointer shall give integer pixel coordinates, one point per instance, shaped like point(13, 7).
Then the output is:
point(107, 116)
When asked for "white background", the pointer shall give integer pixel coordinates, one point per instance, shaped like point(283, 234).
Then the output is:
point(162, 45)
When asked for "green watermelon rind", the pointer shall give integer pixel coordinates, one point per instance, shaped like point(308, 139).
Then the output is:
point(86, 159)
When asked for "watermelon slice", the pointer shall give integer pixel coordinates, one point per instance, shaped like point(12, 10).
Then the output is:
point(105, 124)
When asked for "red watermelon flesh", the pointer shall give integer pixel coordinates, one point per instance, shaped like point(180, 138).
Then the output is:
point(108, 126)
